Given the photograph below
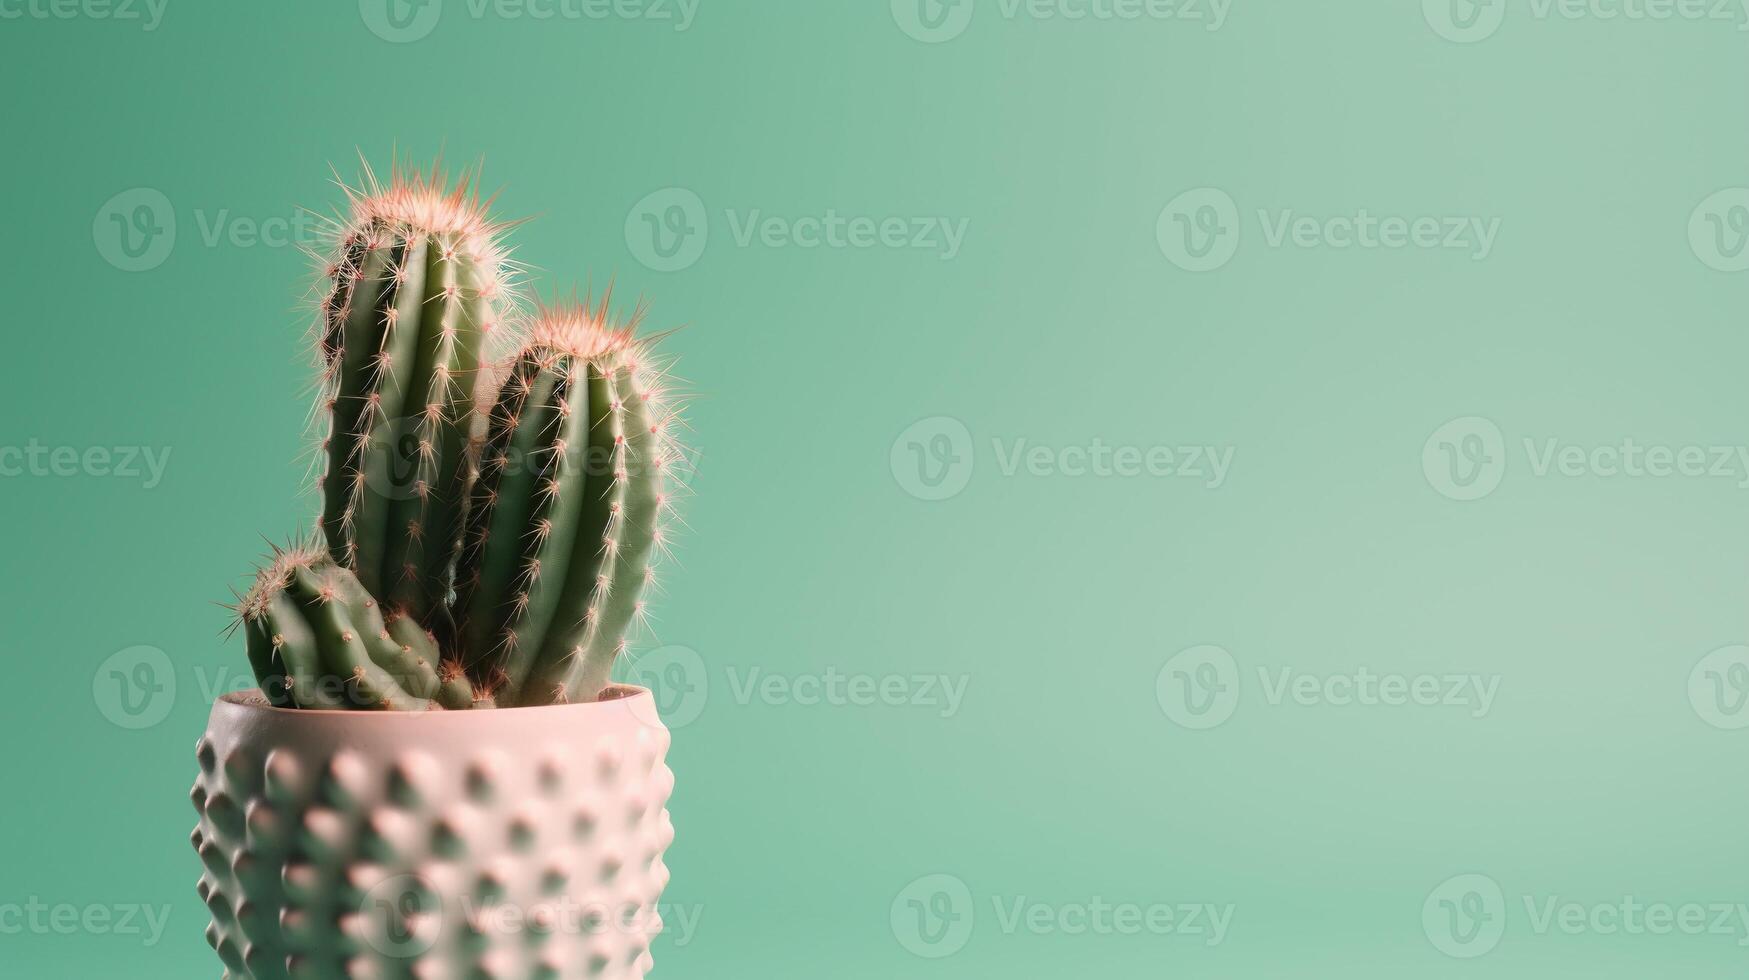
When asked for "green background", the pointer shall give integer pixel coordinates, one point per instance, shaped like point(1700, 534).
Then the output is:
point(1056, 600)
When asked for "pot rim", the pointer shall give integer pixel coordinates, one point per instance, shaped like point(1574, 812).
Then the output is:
point(617, 695)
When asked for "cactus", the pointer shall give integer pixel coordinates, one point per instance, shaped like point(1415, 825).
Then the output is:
point(567, 510)
point(414, 289)
point(489, 525)
point(318, 639)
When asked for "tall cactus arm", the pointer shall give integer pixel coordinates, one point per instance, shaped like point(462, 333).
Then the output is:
point(418, 285)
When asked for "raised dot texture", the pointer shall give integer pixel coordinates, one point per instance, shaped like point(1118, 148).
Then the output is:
point(315, 829)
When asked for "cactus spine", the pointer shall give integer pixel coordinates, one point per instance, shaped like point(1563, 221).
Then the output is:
point(414, 293)
point(318, 639)
point(567, 510)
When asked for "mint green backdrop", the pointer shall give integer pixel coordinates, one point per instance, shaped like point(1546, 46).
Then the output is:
point(1081, 537)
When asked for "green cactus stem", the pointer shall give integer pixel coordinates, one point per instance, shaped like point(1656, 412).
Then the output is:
point(317, 639)
point(567, 511)
point(416, 283)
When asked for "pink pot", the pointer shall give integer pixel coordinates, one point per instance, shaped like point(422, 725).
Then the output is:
point(512, 843)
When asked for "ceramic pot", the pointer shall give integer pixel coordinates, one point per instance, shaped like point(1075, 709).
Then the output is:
point(511, 843)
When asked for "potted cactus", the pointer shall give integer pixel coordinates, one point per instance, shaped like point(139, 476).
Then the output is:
point(436, 776)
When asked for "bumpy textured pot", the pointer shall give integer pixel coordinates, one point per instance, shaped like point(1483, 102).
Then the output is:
point(522, 842)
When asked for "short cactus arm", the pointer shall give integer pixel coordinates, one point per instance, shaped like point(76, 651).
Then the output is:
point(282, 631)
point(269, 666)
point(319, 640)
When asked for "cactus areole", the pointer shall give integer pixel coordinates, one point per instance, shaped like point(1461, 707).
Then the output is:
point(495, 481)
